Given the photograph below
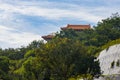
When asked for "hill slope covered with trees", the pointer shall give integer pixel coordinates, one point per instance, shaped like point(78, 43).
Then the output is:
point(68, 56)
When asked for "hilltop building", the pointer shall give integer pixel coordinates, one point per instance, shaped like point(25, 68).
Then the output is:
point(69, 26)
point(48, 37)
point(76, 27)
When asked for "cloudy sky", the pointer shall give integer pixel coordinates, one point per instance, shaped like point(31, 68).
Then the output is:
point(22, 21)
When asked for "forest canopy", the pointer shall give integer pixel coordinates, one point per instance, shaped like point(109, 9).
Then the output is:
point(69, 55)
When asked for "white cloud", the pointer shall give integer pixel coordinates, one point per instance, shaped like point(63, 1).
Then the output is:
point(16, 39)
point(11, 9)
point(52, 13)
point(85, 13)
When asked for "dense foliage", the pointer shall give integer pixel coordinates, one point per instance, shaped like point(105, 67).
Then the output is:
point(70, 55)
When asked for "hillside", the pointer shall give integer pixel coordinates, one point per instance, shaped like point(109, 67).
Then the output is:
point(70, 55)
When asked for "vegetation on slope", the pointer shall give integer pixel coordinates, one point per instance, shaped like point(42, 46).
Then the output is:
point(70, 55)
point(110, 43)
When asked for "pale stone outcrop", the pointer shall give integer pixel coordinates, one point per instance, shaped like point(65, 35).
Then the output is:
point(109, 56)
point(110, 61)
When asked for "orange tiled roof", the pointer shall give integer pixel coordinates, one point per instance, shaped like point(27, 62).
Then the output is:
point(76, 27)
point(48, 37)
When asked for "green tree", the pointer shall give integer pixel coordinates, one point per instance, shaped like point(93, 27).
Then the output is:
point(108, 29)
point(33, 69)
point(4, 68)
point(29, 53)
point(64, 58)
point(35, 44)
point(69, 33)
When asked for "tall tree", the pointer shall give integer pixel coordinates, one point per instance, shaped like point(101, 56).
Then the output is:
point(64, 58)
point(108, 29)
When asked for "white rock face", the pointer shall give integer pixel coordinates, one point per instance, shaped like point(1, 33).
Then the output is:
point(106, 59)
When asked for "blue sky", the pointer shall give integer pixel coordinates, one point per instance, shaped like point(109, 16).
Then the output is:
point(22, 21)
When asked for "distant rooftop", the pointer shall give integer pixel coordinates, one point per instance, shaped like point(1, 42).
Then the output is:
point(48, 37)
point(69, 26)
point(76, 27)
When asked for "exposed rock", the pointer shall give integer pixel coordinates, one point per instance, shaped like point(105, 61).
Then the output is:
point(110, 61)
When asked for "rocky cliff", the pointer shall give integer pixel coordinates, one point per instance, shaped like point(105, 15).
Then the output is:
point(110, 61)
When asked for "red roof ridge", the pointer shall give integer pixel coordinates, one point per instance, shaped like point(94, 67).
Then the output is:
point(49, 36)
point(76, 27)
point(77, 24)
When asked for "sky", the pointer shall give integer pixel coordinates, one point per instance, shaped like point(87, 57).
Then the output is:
point(22, 21)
